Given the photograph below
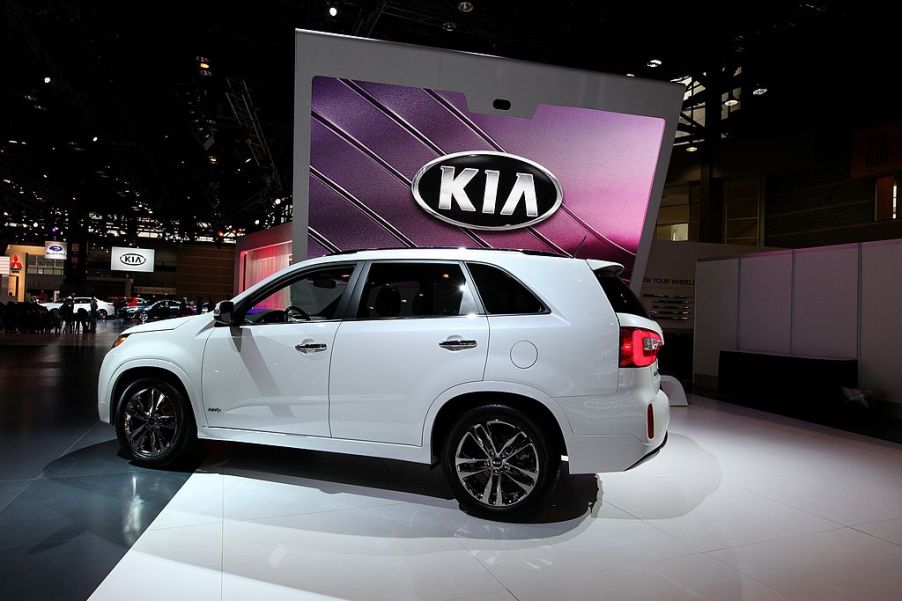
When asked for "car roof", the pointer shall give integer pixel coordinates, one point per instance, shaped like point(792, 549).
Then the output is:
point(501, 257)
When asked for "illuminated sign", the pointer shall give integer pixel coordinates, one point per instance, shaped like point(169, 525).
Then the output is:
point(55, 250)
point(132, 259)
point(4, 265)
point(15, 265)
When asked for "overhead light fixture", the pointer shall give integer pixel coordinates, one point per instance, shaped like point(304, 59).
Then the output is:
point(630, 74)
point(212, 159)
point(256, 222)
point(278, 201)
point(731, 101)
point(333, 11)
point(247, 160)
point(94, 139)
point(449, 26)
point(692, 148)
point(654, 63)
point(465, 7)
point(759, 90)
point(47, 79)
point(204, 65)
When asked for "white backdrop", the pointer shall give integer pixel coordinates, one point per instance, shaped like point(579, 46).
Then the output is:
point(834, 301)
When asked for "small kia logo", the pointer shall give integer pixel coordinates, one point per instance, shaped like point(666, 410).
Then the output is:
point(487, 190)
point(132, 259)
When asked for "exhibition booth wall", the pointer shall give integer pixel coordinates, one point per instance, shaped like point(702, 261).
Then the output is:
point(832, 302)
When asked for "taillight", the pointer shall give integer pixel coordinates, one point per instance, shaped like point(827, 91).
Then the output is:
point(639, 347)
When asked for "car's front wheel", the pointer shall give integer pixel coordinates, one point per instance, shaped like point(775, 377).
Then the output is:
point(101, 314)
point(499, 462)
point(154, 423)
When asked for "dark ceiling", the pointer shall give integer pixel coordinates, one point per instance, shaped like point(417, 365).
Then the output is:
point(129, 73)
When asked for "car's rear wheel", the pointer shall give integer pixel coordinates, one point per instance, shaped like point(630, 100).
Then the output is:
point(499, 462)
point(154, 423)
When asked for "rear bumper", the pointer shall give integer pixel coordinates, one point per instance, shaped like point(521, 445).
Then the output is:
point(651, 454)
point(625, 444)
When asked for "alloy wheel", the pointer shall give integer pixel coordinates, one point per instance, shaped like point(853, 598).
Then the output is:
point(150, 422)
point(497, 463)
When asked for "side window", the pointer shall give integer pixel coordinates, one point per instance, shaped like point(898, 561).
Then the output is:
point(313, 296)
point(619, 295)
point(415, 290)
point(501, 294)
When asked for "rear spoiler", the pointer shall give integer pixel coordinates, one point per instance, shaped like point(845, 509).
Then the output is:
point(605, 268)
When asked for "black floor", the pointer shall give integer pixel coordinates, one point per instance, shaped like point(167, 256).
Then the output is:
point(70, 506)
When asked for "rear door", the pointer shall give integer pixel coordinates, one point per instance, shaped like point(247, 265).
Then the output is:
point(416, 331)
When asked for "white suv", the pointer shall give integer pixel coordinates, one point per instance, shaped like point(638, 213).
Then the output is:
point(495, 364)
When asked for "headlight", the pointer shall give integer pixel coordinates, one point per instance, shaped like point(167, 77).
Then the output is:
point(120, 340)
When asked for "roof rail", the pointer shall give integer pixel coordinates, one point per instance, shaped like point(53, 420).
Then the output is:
point(540, 253)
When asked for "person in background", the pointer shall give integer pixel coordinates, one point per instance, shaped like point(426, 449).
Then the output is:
point(93, 313)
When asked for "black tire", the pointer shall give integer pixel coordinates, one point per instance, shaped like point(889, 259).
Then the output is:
point(162, 444)
point(502, 423)
point(102, 314)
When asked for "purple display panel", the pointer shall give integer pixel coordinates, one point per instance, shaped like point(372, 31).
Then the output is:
point(369, 140)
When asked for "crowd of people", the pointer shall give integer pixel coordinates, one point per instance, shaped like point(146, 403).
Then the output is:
point(32, 317)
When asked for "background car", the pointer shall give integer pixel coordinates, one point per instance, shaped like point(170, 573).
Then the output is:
point(130, 310)
point(104, 309)
point(161, 309)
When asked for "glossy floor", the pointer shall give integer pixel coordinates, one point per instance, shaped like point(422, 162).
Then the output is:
point(739, 505)
point(70, 507)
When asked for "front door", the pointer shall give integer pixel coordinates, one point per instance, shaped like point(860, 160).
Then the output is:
point(271, 373)
point(416, 333)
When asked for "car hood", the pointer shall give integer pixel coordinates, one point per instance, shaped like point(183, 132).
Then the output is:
point(169, 324)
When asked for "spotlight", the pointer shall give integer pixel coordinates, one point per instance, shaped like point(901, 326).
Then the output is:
point(204, 65)
point(759, 90)
point(654, 63)
point(731, 100)
point(692, 148)
point(333, 12)
point(278, 201)
point(212, 159)
point(630, 74)
point(94, 139)
point(47, 79)
point(465, 7)
point(35, 224)
point(256, 222)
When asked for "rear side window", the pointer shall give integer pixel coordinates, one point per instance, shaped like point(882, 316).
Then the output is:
point(620, 296)
point(501, 294)
point(415, 290)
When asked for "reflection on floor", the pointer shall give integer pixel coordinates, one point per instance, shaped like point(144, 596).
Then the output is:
point(70, 507)
point(739, 505)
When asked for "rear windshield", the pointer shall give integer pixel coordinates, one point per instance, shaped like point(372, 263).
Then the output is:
point(620, 296)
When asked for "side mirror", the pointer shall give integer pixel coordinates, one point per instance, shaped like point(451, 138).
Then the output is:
point(223, 313)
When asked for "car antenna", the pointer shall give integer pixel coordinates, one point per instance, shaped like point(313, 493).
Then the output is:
point(580, 247)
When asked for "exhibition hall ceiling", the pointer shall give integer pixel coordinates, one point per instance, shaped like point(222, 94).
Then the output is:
point(174, 119)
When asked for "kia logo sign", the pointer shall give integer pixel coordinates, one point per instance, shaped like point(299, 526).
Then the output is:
point(486, 190)
point(132, 259)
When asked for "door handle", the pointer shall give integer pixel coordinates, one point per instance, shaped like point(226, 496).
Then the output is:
point(457, 345)
point(310, 347)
